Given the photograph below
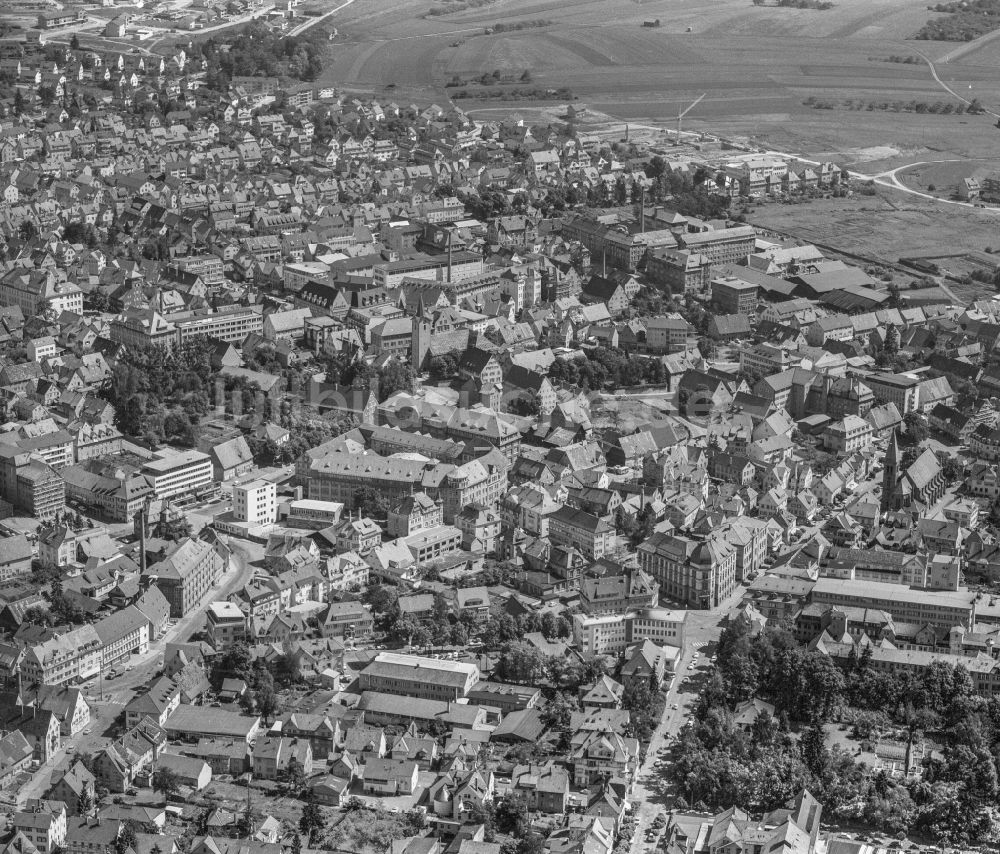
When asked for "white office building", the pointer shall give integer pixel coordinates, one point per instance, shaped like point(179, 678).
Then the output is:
point(609, 634)
point(179, 472)
point(255, 503)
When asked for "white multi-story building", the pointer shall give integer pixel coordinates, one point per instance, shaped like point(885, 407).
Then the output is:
point(225, 625)
point(228, 324)
point(256, 502)
point(609, 634)
point(179, 472)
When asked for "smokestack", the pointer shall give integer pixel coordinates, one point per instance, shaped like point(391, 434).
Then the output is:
point(642, 210)
point(142, 541)
point(449, 256)
point(604, 263)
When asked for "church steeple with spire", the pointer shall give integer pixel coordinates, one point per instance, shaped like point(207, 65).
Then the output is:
point(891, 473)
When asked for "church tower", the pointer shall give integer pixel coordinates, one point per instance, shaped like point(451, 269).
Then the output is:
point(420, 337)
point(891, 472)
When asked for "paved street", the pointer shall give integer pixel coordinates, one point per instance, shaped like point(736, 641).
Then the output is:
point(106, 706)
point(651, 794)
point(142, 668)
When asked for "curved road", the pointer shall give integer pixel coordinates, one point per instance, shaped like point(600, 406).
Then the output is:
point(945, 86)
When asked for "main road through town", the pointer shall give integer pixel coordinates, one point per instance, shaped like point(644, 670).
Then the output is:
point(654, 789)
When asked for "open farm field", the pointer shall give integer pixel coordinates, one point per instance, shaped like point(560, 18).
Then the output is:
point(756, 66)
point(885, 227)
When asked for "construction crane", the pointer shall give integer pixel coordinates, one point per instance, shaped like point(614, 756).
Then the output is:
point(682, 113)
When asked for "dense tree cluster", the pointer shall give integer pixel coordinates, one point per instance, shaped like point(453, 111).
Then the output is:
point(689, 194)
point(637, 528)
point(258, 50)
point(347, 370)
point(393, 377)
point(161, 393)
point(650, 302)
point(917, 430)
point(260, 697)
point(964, 21)
point(721, 764)
point(304, 433)
point(607, 367)
point(645, 703)
point(442, 628)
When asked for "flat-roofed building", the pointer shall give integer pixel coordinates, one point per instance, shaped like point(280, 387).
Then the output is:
point(944, 609)
point(505, 697)
point(256, 502)
point(610, 634)
point(433, 543)
point(310, 513)
point(735, 296)
point(231, 324)
point(441, 268)
point(903, 390)
point(179, 473)
point(225, 625)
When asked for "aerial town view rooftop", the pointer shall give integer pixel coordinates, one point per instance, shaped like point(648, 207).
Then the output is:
point(499, 427)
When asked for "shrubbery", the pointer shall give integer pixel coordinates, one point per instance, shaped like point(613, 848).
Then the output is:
point(922, 107)
point(521, 25)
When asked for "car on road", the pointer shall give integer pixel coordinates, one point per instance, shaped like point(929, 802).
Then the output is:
point(673, 706)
